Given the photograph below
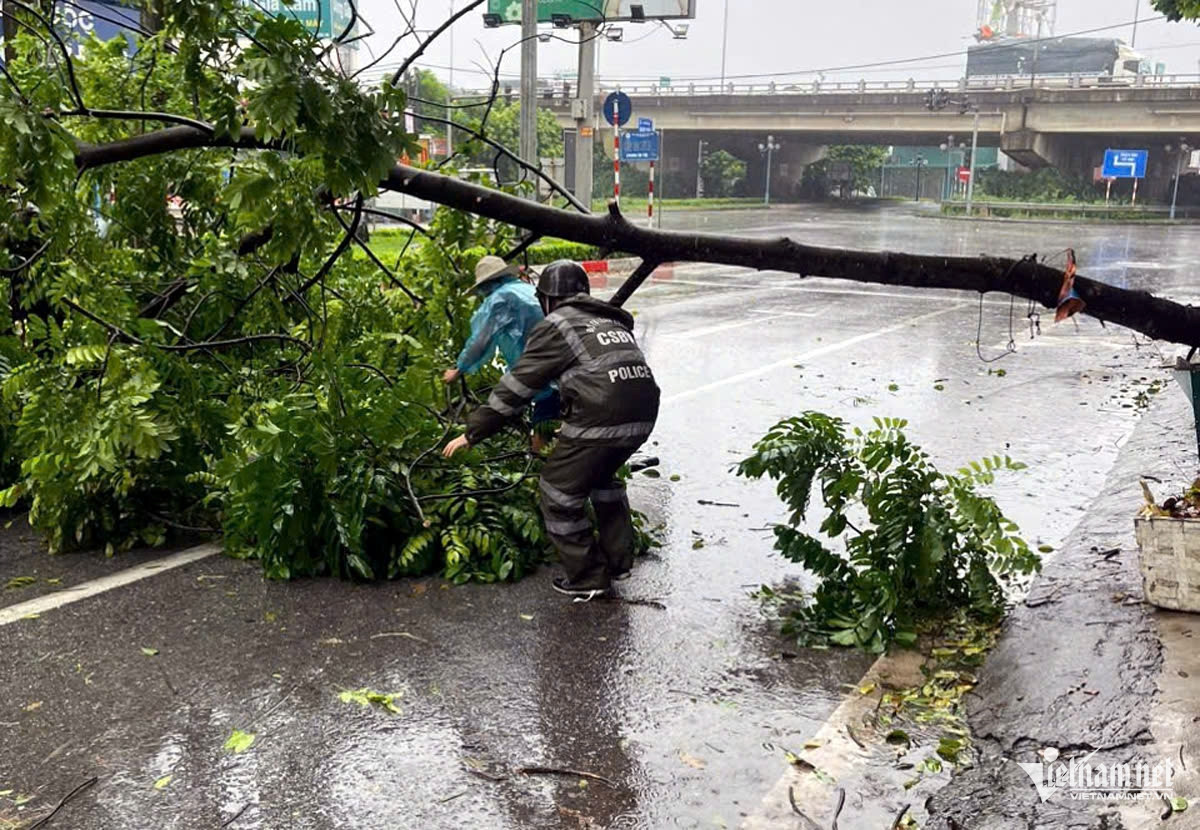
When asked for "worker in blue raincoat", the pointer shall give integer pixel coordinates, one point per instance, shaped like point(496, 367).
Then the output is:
point(508, 313)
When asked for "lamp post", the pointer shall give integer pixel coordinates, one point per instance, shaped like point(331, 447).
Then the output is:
point(769, 149)
point(1184, 148)
point(948, 147)
point(920, 163)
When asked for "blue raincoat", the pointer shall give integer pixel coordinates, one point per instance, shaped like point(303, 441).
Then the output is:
point(508, 313)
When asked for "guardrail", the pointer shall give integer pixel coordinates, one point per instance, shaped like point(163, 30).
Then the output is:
point(1005, 83)
point(986, 208)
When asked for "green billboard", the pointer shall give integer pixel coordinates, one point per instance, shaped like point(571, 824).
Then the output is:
point(596, 10)
point(324, 18)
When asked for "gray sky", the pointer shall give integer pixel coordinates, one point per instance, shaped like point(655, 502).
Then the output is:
point(776, 36)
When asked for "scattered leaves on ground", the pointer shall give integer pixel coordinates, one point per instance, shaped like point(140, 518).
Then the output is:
point(367, 697)
point(149, 652)
point(692, 761)
point(239, 741)
point(161, 784)
point(33, 707)
point(19, 582)
point(1179, 804)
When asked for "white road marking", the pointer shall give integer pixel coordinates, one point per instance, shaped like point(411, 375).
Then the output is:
point(808, 289)
point(817, 313)
point(766, 314)
point(58, 599)
point(809, 355)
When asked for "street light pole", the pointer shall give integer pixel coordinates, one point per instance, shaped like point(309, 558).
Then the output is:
point(919, 161)
point(700, 171)
point(529, 71)
point(1137, 9)
point(769, 148)
point(1183, 149)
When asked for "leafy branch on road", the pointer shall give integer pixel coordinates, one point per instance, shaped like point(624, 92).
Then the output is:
point(916, 545)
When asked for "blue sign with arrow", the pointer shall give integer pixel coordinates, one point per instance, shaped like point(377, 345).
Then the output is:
point(639, 146)
point(1125, 164)
point(618, 109)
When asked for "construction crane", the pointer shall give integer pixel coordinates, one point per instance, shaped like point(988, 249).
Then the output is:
point(1000, 19)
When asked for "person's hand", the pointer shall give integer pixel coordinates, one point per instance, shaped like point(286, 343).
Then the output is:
point(459, 443)
point(451, 375)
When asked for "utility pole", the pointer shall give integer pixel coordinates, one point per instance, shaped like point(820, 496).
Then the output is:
point(583, 109)
point(450, 92)
point(974, 153)
point(700, 171)
point(1137, 9)
point(529, 71)
point(724, 45)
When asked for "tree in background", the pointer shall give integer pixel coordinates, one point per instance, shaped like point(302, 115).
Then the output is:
point(864, 161)
point(1179, 9)
point(722, 173)
point(430, 97)
point(504, 127)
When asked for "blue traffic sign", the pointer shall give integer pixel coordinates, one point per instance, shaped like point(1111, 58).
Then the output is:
point(645, 125)
point(1125, 164)
point(623, 107)
point(639, 146)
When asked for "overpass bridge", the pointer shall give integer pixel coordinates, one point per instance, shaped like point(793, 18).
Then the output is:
point(1063, 122)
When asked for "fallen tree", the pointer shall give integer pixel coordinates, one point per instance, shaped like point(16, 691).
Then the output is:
point(198, 339)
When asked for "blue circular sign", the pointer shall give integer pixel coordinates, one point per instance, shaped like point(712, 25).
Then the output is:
point(623, 106)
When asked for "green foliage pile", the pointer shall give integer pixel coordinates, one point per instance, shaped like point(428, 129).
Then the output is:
point(154, 380)
point(917, 545)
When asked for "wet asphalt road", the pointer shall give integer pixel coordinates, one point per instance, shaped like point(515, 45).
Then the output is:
point(687, 709)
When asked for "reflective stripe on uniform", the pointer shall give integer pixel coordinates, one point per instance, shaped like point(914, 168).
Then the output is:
point(613, 495)
point(516, 387)
point(559, 497)
point(631, 356)
point(503, 407)
point(565, 328)
point(632, 430)
point(568, 528)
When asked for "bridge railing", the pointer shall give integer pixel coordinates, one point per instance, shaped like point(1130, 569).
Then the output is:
point(1000, 83)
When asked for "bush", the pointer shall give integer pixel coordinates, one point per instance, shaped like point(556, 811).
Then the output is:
point(919, 545)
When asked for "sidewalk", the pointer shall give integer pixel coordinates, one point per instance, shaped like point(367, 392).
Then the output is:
point(1085, 667)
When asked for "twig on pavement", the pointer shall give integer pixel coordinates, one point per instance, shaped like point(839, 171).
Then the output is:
point(571, 772)
point(63, 801)
point(838, 810)
point(792, 800)
point(900, 817)
point(238, 814)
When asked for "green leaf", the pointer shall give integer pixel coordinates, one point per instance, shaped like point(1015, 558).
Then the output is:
point(239, 741)
point(161, 784)
point(149, 652)
point(1179, 804)
point(898, 737)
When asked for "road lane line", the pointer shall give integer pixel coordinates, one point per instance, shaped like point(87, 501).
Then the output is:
point(820, 351)
point(58, 599)
point(753, 321)
point(925, 295)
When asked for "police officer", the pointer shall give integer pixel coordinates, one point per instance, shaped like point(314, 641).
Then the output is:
point(610, 404)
